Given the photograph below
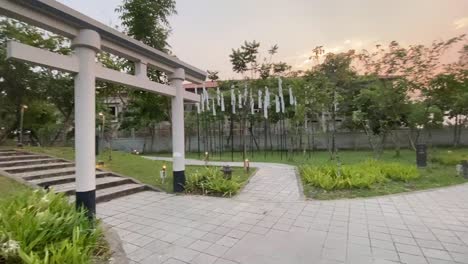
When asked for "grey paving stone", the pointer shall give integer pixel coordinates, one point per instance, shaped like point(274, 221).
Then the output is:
point(216, 250)
point(272, 226)
point(436, 254)
point(200, 245)
point(412, 259)
point(204, 259)
point(212, 237)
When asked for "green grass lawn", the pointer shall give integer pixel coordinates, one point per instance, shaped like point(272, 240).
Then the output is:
point(435, 175)
point(145, 170)
point(298, 158)
point(9, 187)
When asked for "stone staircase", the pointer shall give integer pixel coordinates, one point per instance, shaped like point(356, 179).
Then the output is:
point(59, 175)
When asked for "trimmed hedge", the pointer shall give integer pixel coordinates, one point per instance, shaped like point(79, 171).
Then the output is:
point(359, 175)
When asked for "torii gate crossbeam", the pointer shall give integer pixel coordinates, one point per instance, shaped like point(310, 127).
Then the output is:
point(89, 37)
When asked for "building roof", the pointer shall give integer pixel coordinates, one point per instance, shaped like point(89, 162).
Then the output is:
point(208, 85)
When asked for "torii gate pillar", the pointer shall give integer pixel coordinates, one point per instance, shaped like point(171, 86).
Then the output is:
point(85, 45)
point(178, 139)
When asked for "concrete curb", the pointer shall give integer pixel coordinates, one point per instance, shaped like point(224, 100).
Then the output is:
point(118, 255)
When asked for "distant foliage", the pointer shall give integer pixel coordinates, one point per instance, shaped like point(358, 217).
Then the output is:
point(44, 228)
point(359, 175)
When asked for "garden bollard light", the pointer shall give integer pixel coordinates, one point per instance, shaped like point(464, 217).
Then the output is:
point(246, 165)
point(464, 168)
point(162, 173)
point(207, 158)
point(227, 171)
point(20, 140)
point(421, 155)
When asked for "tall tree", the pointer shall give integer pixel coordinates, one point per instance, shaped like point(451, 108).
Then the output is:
point(335, 77)
point(22, 83)
point(247, 58)
point(147, 21)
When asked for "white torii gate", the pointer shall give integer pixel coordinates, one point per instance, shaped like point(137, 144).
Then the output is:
point(88, 37)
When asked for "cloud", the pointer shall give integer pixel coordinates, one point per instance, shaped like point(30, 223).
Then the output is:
point(302, 61)
point(461, 23)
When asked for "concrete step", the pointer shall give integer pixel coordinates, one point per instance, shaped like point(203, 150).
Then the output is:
point(54, 180)
point(6, 150)
point(13, 163)
point(45, 173)
point(104, 195)
point(39, 167)
point(58, 174)
point(12, 153)
point(23, 157)
point(101, 183)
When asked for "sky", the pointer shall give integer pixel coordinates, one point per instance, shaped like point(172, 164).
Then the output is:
point(205, 31)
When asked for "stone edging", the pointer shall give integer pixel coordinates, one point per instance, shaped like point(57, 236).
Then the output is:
point(118, 255)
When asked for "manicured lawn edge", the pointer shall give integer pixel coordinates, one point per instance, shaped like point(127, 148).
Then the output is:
point(142, 170)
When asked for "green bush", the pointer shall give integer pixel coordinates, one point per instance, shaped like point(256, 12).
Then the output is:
point(359, 175)
point(399, 172)
point(211, 181)
point(449, 158)
point(37, 227)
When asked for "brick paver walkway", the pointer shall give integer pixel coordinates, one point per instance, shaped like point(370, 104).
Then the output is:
point(272, 182)
point(422, 227)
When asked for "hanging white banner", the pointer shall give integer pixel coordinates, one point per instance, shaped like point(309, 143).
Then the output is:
point(267, 97)
point(214, 107)
point(222, 103)
point(260, 97)
point(291, 97)
point(252, 103)
point(277, 102)
point(233, 100)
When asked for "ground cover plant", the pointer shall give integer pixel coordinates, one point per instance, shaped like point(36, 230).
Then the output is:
point(359, 175)
point(211, 181)
point(39, 227)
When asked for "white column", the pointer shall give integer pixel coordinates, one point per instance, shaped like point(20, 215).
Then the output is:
point(85, 46)
point(141, 69)
point(178, 139)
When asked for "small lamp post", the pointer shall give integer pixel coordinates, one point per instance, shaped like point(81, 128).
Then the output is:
point(227, 171)
point(100, 164)
point(163, 173)
point(207, 158)
point(20, 140)
point(103, 123)
point(246, 165)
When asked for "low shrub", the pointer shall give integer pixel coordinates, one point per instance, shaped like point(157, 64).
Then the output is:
point(399, 172)
point(449, 158)
point(39, 227)
point(211, 181)
point(359, 175)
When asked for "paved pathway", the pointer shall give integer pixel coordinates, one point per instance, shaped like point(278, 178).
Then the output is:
point(272, 182)
point(421, 227)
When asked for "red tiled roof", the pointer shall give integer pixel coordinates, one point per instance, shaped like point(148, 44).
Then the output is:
point(208, 84)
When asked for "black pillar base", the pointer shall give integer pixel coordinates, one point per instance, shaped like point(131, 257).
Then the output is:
point(179, 181)
point(87, 200)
